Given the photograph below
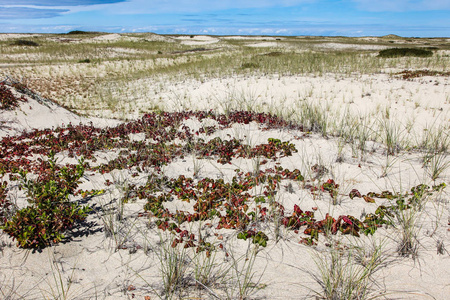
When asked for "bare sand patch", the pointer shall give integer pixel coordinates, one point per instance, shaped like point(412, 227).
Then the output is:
point(9, 36)
point(260, 38)
point(337, 46)
point(263, 44)
point(194, 40)
point(107, 37)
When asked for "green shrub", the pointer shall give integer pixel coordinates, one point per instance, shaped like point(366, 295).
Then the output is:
point(5, 204)
point(24, 43)
point(276, 53)
point(50, 212)
point(249, 65)
point(8, 101)
point(400, 52)
point(78, 32)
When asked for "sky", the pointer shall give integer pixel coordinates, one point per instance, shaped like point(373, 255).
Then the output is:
point(408, 18)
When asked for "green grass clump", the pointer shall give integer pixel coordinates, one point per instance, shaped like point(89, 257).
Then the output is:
point(84, 61)
point(348, 274)
point(249, 65)
point(400, 52)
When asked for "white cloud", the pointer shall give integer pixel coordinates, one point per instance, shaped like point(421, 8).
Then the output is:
point(192, 6)
point(58, 3)
point(402, 5)
point(28, 13)
point(153, 6)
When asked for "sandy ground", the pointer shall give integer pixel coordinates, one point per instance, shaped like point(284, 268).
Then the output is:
point(258, 38)
point(43, 114)
point(337, 46)
point(91, 265)
point(9, 36)
point(417, 105)
point(197, 40)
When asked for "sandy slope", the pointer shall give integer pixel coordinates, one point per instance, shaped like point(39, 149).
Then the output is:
point(41, 114)
point(417, 105)
point(93, 266)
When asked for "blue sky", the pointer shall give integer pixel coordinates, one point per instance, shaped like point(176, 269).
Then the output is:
point(421, 18)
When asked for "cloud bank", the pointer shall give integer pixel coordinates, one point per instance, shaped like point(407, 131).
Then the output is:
point(402, 5)
point(58, 3)
point(29, 13)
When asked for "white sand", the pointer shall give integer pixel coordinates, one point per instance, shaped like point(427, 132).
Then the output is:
point(40, 115)
point(261, 38)
point(9, 36)
point(108, 37)
point(416, 105)
point(263, 44)
point(196, 40)
point(338, 46)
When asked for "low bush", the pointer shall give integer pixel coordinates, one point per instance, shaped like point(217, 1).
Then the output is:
point(7, 99)
point(5, 204)
point(273, 54)
point(249, 65)
point(50, 212)
point(24, 43)
point(78, 32)
point(400, 52)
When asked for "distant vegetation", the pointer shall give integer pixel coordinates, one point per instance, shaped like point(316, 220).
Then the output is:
point(399, 52)
point(24, 43)
point(81, 32)
point(277, 53)
point(249, 65)
point(392, 36)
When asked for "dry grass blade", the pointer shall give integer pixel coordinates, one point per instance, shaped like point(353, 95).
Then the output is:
point(348, 273)
point(173, 267)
